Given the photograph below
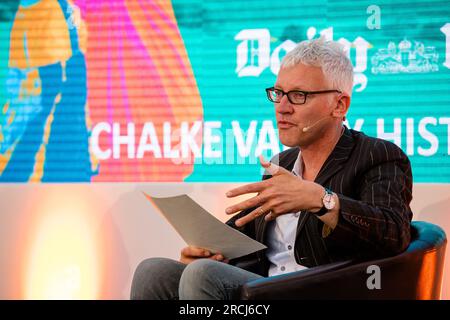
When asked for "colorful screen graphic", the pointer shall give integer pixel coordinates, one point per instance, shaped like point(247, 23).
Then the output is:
point(142, 90)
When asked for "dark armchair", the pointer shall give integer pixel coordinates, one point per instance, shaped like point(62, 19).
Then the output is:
point(413, 274)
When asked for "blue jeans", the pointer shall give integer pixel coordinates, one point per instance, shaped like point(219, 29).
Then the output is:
point(203, 279)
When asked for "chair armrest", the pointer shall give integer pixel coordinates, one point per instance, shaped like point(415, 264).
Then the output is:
point(414, 274)
point(411, 275)
point(295, 285)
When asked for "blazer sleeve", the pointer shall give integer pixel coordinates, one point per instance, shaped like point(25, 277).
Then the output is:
point(379, 221)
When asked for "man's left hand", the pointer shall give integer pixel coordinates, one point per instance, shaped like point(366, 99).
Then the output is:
point(283, 193)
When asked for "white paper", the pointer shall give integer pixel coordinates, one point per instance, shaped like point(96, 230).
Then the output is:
point(201, 229)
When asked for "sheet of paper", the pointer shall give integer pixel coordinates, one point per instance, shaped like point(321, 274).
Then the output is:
point(199, 228)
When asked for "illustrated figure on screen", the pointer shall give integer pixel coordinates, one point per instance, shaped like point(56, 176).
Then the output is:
point(44, 129)
point(76, 67)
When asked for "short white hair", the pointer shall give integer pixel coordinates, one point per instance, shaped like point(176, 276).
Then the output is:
point(328, 55)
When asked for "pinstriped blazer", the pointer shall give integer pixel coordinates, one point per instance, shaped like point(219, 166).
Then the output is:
point(373, 180)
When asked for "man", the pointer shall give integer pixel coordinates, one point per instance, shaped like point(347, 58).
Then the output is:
point(336, 194)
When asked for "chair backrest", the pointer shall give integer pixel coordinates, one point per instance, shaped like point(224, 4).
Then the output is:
point(415, 273)
point(426, 253)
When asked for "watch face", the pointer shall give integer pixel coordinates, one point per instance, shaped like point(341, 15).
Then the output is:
point(328, 201)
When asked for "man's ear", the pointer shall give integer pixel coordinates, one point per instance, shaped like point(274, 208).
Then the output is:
point(341, 107)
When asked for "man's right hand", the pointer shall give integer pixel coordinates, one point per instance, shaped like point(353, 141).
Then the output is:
point(191, 253)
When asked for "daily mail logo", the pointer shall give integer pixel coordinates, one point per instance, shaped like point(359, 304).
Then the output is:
point(254, 54)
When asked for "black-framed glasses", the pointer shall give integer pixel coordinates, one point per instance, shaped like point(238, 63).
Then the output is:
point(294, 96)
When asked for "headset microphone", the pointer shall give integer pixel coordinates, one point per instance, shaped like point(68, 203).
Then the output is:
point(306, 129)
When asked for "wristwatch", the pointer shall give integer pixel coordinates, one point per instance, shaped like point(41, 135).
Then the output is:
point(328, 203)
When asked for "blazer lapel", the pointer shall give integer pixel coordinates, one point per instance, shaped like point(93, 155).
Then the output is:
point(337, 158)
point(290, 160)
point(331, 166)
